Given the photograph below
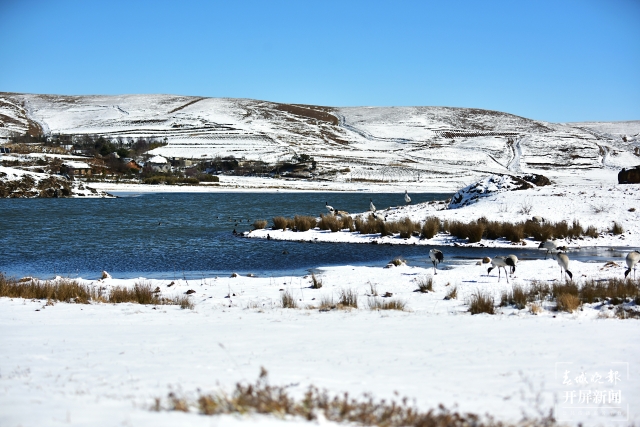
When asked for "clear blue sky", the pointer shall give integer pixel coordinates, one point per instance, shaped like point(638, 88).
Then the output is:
point(555, 60)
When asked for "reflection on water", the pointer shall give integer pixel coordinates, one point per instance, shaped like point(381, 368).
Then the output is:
point(189, 235)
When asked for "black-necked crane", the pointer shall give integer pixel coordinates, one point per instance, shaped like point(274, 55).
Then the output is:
point(436, 257)
point(563, 261)
point(407, 199)
point(632, 259)
point(512, 260)
point(372, 207)
point(549, 246)
point(329, 208)
point(502, 262)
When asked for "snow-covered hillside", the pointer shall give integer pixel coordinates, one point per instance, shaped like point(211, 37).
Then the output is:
point(439, 145)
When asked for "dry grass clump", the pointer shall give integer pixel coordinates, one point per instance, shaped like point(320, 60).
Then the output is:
point(481, 302)
point(517, 297)
point(430, 228)
point(425, 284)
point(304, 223)
point(67, 290)
point(616, 229)
point(452, 293)
point(316, 283)
point(64, 290)
point(280, 223)
point(347, 223)
point(327, 303)
point(473, 230)
point(406, 228)
point(567, 302)
point(615, 288)
point(385, 304)
point(263, 398)
point(288, 301)
point(348, 298)
point(330, 222)
point(535, 308)
point(259, 224)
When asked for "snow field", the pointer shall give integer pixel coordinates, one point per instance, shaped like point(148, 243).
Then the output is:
point(102, 364)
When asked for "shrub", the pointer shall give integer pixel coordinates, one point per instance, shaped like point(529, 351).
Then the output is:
point(481, 302)
point(371, 225)
point(452, 293)
point(617, 229)
point(567, 302)
point(329, 222)
point(280, 223)
point(288, 301)
point(406, 228)
point(425, 284)
point(517, 297)
point(591, 231)
point(347, 222)
point(348, 298)
point(259, 224)
point(430, 228)
point(304, 223)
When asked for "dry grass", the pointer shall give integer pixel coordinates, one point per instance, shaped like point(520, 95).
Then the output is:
point(304, 223)
point(616, 229)
point(452, 293)
point(330, 222)
point(620, 289)
point(67, 290)
point(348, 298)
point(535, 308)
point(288, 301)
point(259, 224)
point(430, 228)
point(280, 223)
point(425, 284)
point(386, 304)
point(481, 302)
point(327, 303)
point(263, 398)
point(517, 297)
point(567, 302)
point(316, 283)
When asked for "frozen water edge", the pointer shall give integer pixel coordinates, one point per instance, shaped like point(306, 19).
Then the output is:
point(104, 364)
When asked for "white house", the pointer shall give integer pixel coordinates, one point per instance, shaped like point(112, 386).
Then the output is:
point(159, 164)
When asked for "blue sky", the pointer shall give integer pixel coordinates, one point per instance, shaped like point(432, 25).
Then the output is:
point(556, 60)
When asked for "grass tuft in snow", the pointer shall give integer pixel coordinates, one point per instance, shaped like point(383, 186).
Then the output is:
point(481, 302)
point(567, 302)
point(263, 398)
point(425, 284)
point(385, 304)
point(616, 228)
point(304, 223)
point(330, 222)
point(430, 228)
point(288, 301)
point(348, 298)
point(280, 223)
point(316, 283)
point(259, 224)
point(517, 297)
point(452, 293)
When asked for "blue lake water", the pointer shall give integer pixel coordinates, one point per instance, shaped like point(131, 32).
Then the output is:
point(175, 235)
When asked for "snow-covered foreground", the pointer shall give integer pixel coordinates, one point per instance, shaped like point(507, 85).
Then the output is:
point(99, 364)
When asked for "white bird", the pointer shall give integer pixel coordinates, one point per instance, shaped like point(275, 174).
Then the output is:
point(632, 259)
point(329, 208)
point(501, 262)
point(563, 262)
point(407, 199)
point(436, 257)
point(372, 207)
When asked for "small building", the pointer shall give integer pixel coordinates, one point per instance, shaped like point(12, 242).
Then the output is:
point(159, 164)
point(76, 169)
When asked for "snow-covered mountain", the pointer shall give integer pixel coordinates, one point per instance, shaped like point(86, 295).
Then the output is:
point(391, 144)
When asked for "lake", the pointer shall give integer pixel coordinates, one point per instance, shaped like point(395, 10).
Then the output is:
point(176, 235)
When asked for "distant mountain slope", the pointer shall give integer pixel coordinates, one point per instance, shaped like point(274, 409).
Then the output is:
point(364, 143)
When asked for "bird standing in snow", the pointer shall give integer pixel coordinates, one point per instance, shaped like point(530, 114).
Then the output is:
point(372, 207)
point(407, 199)
point(512, 260)
point(436, 257)
point(563, 261)
point(502, 262)
point(632, 259)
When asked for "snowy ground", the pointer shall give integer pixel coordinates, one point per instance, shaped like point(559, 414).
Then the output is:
point(102, 364)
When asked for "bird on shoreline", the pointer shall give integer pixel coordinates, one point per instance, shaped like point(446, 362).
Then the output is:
point(632, 259)
point(549, 246)
point(407, 199)
point(563, 261)
point(372, 207)
point(436, 257)
point(329, 208)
